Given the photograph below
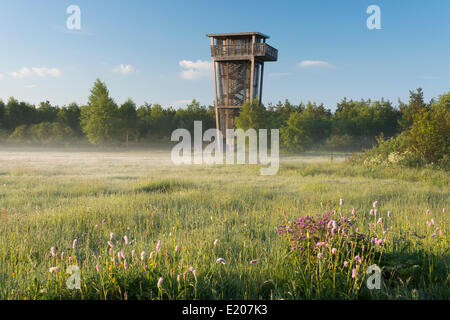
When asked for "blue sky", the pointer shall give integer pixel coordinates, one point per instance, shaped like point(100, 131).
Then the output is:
point(157, 51)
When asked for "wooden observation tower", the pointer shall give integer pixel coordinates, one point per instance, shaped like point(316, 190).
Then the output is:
point(238, 65)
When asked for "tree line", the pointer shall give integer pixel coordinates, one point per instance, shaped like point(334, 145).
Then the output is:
point(353, 124)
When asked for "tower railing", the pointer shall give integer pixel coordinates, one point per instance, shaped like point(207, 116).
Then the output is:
point(237, 50)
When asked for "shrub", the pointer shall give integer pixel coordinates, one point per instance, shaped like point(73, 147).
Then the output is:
point(43, 133)
point(340, 142)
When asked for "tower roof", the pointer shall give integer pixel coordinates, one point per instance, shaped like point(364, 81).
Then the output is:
point(237, 35)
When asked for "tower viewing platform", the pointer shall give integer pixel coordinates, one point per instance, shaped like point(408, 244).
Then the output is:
point(238, 46)
point(238, 68)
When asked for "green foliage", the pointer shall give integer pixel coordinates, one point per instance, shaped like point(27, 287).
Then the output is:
point(416, 105)
point(2, 114)
point(315, 120)
point(70, 116)
point(353, 126)
point(19, 113)
point(279, 114)
point(184, 118)
point(252, 116)
point(426, 141)
point(128, 123)
point(430, 131)
point(342, 142)
point(156, 122)
point(99, 118)
point(43, 133)
point(47, 112)
point(293, 136)
point(366, 118)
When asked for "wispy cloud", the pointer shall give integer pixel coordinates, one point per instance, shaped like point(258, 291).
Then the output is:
point(40, 72)
point(315, 63)
point(186, 101)
point(195, 69)
point(124, 69)
point(278, 74)
point(430, 78)
point(181, 103)
point(24, 72)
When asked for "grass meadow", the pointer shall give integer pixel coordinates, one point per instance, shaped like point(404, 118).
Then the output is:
point(140, 228)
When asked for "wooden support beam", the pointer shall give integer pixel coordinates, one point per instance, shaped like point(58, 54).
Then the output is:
point(252, 75)
point(219, 142)
point(261, 83)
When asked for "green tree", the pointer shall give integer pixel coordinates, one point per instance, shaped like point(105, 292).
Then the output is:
point(70, 116)
point(99, 118)
point(162, 121)
point(20, 134)
point(416, 105)
point(293, 135)
point(185, 118)
point(46, 112)
point(19, 113)
point(279, 114)
point(316, 122)
point(253, 115)
point(430, 130)
point(128, 121)
point(2, 114)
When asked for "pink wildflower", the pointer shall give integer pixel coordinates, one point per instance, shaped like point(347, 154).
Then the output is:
point(54, 270)
point(160, 281)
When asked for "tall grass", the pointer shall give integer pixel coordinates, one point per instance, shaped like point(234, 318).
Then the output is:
point(48, 201)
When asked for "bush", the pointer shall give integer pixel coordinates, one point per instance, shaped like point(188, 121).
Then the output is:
point(430, 131)
point(340, 143)
point(427, 141)
point(3, 135)
point(42, 133)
